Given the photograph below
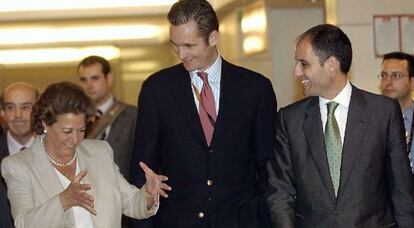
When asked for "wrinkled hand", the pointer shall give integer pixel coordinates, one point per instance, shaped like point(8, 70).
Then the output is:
point(76, 194)
point(154, 182)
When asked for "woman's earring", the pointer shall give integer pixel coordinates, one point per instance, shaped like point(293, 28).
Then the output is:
point(44, 131)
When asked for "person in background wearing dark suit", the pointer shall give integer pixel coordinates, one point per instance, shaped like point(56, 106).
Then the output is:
point(340, 158)
point(16, 106)
point(397, 82)
point(207, 124)
point(115, 120)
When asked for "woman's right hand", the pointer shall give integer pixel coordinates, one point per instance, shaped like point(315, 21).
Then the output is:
point(76, 194)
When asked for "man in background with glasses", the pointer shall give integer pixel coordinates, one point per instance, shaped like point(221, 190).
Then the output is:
point(397, 82)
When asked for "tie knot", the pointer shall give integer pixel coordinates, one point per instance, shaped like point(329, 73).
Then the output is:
point(203, 76)
point(332, 107)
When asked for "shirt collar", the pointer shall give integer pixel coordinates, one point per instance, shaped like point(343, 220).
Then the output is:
point(343, 98)
point(14, 146)
point(107, 104)
point(408, 113)
point(213, 70)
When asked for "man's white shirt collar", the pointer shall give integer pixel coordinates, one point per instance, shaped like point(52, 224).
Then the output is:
point(107, 104)
point(15, 146)
point(341, 113)
point(343, 98)
point(213, 70)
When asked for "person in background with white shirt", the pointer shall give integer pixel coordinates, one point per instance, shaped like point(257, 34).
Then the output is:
point(115, 120)
point(16, 106)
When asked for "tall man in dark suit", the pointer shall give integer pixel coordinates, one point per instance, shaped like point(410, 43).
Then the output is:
point(209, 126)
point(340, 159)
point(115, 121)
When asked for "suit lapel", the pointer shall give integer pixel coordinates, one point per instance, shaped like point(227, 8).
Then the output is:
point(314, 134)
point(230, 97)
point(87, 159)
point(227, 92)
point(183, 96)
point(44, 172)
point(354, 134)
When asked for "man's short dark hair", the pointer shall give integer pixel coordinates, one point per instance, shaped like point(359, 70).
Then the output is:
point(402, 56)
point(329, 40)
point(200, 11)
point(94, 59)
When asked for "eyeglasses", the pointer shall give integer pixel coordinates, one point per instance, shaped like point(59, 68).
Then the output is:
point(393, 76)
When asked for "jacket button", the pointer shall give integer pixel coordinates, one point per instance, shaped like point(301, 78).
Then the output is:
point(209, 182)
point(210, 150)
point(200, 215)
point(336, 212)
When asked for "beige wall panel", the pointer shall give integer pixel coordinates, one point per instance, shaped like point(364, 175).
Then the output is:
point(355, 18)
point(361, 11)
point(285, 25)
point(39, 76)
point(365, 66)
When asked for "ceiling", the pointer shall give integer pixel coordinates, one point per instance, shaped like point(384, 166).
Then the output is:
point(45, 24)
point(29, 10)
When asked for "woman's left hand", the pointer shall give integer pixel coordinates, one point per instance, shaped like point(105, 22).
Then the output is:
point(154, 182)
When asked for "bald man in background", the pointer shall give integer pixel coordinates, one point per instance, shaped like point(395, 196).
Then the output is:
point(16, 107)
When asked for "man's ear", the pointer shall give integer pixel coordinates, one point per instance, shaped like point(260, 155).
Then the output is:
point(412, 83)
point(333, 64)
point(213, 38)
point(109, 79)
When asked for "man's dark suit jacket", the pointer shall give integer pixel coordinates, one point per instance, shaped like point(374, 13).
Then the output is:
point(121, 138)
point(170, 139)
point(376, 186)
point(121, 135)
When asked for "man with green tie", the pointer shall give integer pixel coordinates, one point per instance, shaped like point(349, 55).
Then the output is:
point(340, 158)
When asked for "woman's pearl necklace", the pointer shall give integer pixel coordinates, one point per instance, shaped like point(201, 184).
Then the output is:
point(42, 139)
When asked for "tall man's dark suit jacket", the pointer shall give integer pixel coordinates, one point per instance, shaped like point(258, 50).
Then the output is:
point(220, 185)
point(376, 186)
point(121, 138)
